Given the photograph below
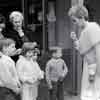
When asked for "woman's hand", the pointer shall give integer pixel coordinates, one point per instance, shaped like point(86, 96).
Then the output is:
point(20, 32)
point(75, 40)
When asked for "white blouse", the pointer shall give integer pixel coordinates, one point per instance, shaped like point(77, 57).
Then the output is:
point(8, 73)
point(28, 70)
point(88, 39)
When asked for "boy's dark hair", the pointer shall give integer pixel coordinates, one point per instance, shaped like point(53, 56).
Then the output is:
point(27, 46)
point(54, 49)
point(5, 42)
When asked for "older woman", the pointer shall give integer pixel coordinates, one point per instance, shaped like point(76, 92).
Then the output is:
point(17, 32)
point(2, 26)
point(88, 44)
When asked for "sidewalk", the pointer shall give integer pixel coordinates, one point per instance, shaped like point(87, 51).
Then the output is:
point(43, 94)
point(71, 97)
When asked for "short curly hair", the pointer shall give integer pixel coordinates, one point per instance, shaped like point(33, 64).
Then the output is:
point(78, 11)
point(15, 14)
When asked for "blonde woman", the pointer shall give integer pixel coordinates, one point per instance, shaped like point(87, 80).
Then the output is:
point(88, 44)
point(17, 32)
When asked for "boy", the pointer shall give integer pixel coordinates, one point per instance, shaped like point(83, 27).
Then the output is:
point(56, 71)
point(9, 83)
point(29, 71)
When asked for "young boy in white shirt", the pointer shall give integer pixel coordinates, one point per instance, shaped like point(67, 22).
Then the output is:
point(29, 71)
point(9, 82)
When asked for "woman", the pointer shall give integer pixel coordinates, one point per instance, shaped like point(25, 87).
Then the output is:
point(88, 44)
point(2, 26)
point(17, 32)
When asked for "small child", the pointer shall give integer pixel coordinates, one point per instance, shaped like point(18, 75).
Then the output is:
point(29, 71)
point(9, 82)
point(56, 71)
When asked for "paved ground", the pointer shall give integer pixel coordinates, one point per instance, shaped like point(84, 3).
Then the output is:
point(71, 97)
point(43, 94)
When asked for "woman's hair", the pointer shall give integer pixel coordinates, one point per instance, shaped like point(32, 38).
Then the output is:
point(15, 14)
point(27, 46)
point(5, 42)
point(78, 11)
point(2, 19)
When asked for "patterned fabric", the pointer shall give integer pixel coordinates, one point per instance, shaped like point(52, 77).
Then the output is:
point(55, 70)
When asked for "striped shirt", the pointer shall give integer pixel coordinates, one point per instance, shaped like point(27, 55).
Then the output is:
point(55, 69)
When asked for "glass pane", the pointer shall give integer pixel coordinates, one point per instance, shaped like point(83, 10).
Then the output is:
point(35, 19)
point(34, 11)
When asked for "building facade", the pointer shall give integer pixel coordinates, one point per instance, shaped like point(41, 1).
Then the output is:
point(49, 21)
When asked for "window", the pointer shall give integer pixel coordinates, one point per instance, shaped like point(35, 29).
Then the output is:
point(35, 20)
